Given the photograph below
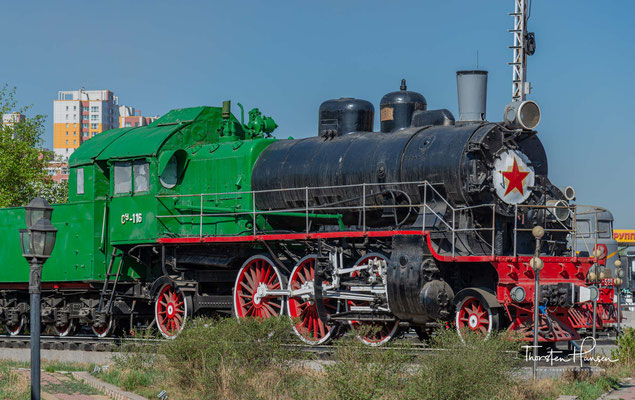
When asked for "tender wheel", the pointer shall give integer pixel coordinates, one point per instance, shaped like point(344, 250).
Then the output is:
point(474, 314)
point(250, 300)
point(310, 328)
point(65, 330)
point(105, 330)
point(18, 328)
point(370, 332)
point(170, 311)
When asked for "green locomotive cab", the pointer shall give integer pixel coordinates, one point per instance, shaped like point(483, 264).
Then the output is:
point(129, 188)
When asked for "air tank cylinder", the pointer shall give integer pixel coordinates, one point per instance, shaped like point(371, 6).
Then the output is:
point(345, 115)
point(396, 108)
point(472, 92)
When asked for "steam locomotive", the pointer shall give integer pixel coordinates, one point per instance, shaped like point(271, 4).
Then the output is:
point(429, 219)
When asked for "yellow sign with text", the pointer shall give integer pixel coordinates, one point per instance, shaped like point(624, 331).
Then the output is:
point(624, 236)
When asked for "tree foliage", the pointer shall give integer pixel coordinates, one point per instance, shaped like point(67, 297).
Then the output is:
point(23, 159)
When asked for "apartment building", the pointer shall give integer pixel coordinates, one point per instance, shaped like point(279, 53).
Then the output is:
point(12, 118)
point(79, 115)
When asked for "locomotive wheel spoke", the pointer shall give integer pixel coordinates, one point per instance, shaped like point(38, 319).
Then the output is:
point(256, 272)
point(170, 311)
point(307, 325)
point(475, 316)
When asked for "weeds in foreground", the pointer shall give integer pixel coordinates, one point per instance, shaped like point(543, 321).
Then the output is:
point(468, 369)
point(363, 373)
point(13, 386)
point(251, 359)
point(230, 358)
point(625, 351)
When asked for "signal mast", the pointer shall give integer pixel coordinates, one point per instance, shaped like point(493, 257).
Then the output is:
point(524, 45)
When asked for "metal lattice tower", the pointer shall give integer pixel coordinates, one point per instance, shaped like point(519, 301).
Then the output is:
point(520, 87)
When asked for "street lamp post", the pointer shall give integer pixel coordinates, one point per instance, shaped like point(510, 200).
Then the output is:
point(37, 243)
point(617, 282)
point(536, 264)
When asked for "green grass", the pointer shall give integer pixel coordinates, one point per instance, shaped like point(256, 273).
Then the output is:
point(71, 387)
point(589, 389)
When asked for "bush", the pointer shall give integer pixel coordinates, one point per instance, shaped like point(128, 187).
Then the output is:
point(230, 358)
point(364, 373)
point(625, 351)
point(476, 369)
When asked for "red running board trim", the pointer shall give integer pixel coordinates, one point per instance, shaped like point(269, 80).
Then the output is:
point(361, 234)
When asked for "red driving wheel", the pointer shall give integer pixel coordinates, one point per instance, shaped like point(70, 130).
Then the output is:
point(257, 275)
point(309, 327)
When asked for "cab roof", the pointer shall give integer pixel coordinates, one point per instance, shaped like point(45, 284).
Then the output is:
point(139, 141)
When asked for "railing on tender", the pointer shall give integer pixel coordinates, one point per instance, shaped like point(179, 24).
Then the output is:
point(311, 212)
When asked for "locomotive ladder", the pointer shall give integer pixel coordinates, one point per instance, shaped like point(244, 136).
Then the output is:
point(107, 276)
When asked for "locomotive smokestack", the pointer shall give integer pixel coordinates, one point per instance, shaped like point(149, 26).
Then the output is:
point(472, 91)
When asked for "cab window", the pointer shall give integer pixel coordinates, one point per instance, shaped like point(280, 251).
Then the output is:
point(129, 175)
point(604, 229)
point(80, 180)
point(123, 177)
point(584, 229)
point(141, 172)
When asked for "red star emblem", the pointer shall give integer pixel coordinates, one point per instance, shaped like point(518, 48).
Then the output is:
point(515, 179)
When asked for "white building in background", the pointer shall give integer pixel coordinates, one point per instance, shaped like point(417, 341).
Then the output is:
point(79, 115)
point(129, 117)
point(12, 119)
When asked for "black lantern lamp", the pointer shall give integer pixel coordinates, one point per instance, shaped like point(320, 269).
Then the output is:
point(37, 209)
point(39, 238)
point(25, 241)
point(37, 243)
point(42, 238)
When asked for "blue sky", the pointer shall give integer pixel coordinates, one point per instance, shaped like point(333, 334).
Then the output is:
point(287, 57)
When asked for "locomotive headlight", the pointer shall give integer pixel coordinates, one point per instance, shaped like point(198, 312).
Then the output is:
point(569, 193)
point(522, 115)
point(517, 294)
point(558, 210)
point(595, 293)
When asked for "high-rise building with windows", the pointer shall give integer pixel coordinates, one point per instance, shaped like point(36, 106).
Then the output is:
point(78, 115)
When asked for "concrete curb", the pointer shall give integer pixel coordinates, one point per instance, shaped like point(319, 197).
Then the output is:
point(111, 391)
